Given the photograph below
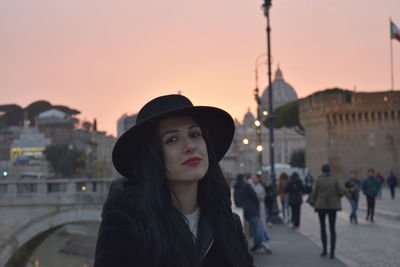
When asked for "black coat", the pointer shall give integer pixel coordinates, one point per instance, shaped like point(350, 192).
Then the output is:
point(295, 190)
point(121, 242)
point(247, 199)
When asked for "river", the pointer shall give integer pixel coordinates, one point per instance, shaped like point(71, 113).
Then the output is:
point(72, 245)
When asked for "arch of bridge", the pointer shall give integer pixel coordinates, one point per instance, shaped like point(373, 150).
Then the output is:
point(44, 223)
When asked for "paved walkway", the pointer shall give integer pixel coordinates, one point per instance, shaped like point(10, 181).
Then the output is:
point(354, 248)
point(386, 206)
point(290, 248)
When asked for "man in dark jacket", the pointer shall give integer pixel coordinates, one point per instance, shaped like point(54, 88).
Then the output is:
point(370, 188)
point(295, 191)
point(392, 182)
point(246, 198)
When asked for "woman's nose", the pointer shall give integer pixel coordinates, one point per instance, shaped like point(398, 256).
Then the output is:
point(189, 145)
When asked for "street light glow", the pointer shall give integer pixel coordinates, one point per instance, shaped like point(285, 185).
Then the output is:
point(246, 141)
point(84, 188)
point(257, 123)
point(265, 113)
point(259, 148)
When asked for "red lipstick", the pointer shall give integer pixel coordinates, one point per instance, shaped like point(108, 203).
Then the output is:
point(192, 161)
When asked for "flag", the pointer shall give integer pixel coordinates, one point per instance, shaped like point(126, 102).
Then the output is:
point(394, 31)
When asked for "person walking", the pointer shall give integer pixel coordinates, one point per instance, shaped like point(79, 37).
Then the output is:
point(249, 201)
point(370, 188)
point(353, 186)
point(283, 197)
point(172, 207)
point(381, 180)
point(392, 182)
point(327, 192)
point(259, 188)
point(295, 190)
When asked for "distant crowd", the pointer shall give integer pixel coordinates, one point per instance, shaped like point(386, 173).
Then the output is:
point(256, 195)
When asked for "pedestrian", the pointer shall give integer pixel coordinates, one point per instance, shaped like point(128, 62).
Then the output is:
point(269, 202)
point(353, 186)
point(283, 197)
point(294, 189)
point(250, 203)
point(392, 182)
point(172, 207)
point(370, 188)
point(327, 192)
point(381, 180)
point(240, 181)
point(259, 188)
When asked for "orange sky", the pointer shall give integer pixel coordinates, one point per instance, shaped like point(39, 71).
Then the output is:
point(106, 58)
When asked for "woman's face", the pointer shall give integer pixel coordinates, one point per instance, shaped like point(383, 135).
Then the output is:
point(185, 151)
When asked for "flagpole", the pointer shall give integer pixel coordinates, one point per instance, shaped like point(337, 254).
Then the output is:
point(391, 55)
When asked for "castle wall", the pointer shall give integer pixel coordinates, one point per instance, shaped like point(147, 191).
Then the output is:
point(352, 132)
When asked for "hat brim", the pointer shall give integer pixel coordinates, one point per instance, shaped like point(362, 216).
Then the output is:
point(219, 124)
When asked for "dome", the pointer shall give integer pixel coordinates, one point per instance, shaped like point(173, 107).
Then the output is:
point(52, 113)
point(248, 118)
point(282, 92)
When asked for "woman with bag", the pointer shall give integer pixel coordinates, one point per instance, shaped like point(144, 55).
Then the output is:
point(295, 191)
point(327, 193)
point(173, 207)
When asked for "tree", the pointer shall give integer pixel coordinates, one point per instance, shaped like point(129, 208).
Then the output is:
point(298, 159)
point(36, 108)
point(13, 115)
point(86, 125)
point(64, 160)
point(67, 110)
point(288, 114)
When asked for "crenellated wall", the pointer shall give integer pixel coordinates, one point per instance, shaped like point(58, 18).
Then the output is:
point(352, 131)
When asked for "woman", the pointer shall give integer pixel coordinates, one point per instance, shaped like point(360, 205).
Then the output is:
point(172, 208)
point(283, 180)
point(327, 192)
point(295, 190)
point(353, 186)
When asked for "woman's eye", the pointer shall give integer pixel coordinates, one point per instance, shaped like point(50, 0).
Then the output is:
point(171, 140)
point(195, 134)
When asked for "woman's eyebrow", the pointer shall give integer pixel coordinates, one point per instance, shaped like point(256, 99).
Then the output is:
point(175, 131)
point(194, 126)
point(169, 132)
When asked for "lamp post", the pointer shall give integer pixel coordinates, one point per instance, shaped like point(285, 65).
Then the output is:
point(258, 122)
point(270, 118)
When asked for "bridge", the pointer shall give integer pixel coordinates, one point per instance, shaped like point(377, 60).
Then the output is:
point(29, 208)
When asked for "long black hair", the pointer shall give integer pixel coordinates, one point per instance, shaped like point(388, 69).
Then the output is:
point(164, 228)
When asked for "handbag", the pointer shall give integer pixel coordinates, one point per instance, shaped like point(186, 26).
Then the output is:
point(311, 199)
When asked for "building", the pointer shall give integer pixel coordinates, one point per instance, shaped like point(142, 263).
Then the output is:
point(7, 135)
point(104, 145)
point(125, 122)
point(56, 125)
point(245, 141)
point(352, 131)
point(27, 152)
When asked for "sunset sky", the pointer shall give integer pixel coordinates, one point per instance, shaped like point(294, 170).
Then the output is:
point(107, 58)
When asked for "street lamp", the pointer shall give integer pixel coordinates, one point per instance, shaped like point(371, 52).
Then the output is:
point(258, 127)
point(275, 218)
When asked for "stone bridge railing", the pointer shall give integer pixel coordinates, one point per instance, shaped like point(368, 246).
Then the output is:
point(53, 191)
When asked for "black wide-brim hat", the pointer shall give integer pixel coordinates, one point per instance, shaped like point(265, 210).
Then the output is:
point(218, 123)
